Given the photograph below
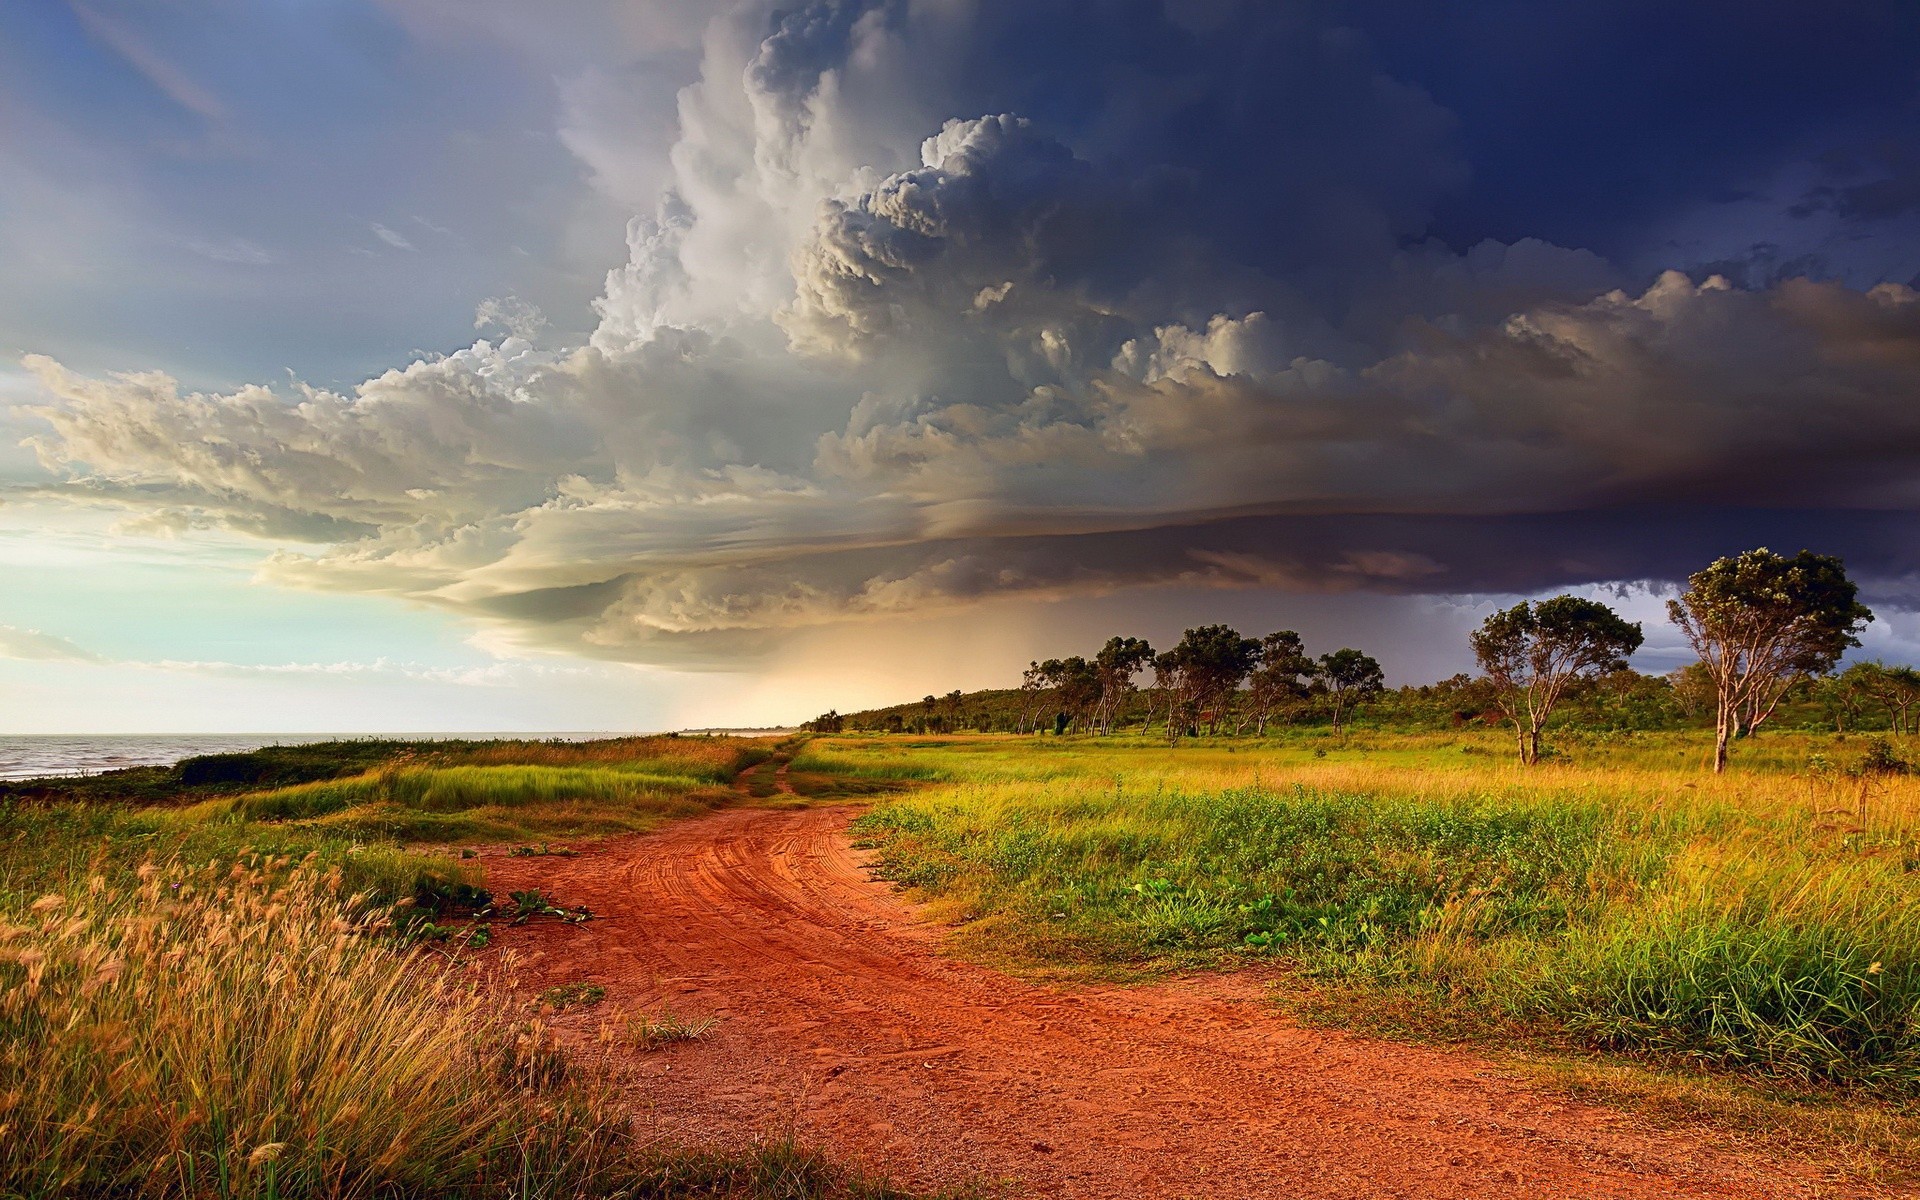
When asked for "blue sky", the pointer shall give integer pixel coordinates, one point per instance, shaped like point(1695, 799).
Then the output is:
point(466, 364)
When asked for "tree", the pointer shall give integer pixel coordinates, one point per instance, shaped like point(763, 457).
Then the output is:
point(827, 722)
point(1692, 687)
point(1896, 689)
point(926, 711)
point(1279, 676)
point(1076, 689)
point(1032, 683)
point(1759, 622)
point(1202, 673)
point(1534, 650)
point(1349, 677)
point(1114, 667)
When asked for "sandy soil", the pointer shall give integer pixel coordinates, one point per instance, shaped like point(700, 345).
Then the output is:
point(844, 1024)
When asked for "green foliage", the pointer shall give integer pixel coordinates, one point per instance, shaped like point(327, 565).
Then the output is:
point(536, 903)
point(1759, 606)
point(710, 760)
point(1533, 652)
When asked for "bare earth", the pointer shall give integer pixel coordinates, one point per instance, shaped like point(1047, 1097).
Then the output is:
point(846, 1026)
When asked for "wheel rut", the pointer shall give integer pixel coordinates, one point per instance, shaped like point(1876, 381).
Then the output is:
point(842, 1024)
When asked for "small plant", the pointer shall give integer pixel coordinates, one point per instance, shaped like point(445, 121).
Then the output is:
point(434, 894)
point(543, 850)
point(1881, 759)
point(535, 903)
point(573, 995)
point(649, 1032)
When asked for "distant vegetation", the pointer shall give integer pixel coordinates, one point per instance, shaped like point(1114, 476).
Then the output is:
point(1769, 630)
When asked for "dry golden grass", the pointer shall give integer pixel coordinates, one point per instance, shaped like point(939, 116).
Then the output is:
point(219, 1035)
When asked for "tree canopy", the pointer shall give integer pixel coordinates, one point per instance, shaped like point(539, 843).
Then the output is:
point(1349, 677)
point(1533, 651)
point(1760, 622)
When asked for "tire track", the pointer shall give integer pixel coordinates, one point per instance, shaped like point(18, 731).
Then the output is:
point(844, 1025)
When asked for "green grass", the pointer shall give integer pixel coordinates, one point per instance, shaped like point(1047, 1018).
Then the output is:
point(478, 803)
point(383, 828)
point(1763, 923)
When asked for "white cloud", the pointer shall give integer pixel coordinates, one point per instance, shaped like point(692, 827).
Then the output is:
point(390, 237)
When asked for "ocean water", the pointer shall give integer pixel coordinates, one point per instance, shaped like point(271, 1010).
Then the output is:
point(28, 756)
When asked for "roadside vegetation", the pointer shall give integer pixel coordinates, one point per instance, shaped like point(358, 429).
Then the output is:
point(237, 996)
point(1751, 930)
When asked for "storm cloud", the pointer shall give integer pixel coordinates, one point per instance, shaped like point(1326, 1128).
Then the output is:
point(948, 303)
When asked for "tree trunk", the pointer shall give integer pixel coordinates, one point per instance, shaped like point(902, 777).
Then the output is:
point(1722, 732)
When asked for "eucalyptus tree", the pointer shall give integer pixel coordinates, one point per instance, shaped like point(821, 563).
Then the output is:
point(1348, 677)
point(1032, 685)
point(1280, 676)
point(1075, 689)
point(1115, 667)
point(1534, 651)
point(1894, 688)
point(1202, 673)
point(1759, 623)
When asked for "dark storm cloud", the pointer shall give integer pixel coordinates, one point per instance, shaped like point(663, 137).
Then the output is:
point(945, 303)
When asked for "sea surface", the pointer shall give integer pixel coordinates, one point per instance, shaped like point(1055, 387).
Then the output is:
point(29, 756)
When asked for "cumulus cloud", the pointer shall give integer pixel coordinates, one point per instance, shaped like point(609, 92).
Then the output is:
point(512, 314)
point(924, 318)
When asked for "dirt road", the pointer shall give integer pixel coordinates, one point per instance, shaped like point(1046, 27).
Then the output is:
point(844, 1024)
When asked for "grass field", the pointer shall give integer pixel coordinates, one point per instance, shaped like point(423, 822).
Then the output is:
point(191, 1005)
point(1758, 928)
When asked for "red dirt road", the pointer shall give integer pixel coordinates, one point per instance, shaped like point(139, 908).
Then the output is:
point(845, 1025)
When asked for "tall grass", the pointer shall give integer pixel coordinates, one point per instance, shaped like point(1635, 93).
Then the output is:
point(1764, 922)
point(218, 1034)
point(212, 1035)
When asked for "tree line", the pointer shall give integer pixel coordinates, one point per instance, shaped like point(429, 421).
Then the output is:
point(1763, 627)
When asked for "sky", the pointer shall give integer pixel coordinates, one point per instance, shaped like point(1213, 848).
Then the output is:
point(474, 365)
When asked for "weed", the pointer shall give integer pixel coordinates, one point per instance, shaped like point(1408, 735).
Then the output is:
point(536, 903)
point(647, 1032)
point(573, 995)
